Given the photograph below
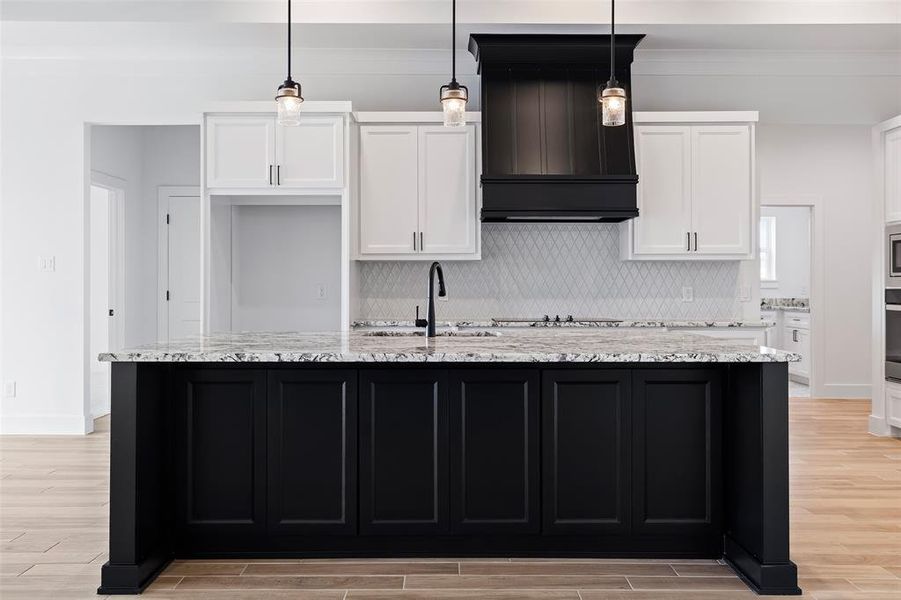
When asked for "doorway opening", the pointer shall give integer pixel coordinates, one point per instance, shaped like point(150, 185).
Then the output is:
point(785, 286)
point(106, 312)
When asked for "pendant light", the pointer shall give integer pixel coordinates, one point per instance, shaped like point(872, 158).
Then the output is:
point(453, 95)
point(613, 97)
point(288, 97)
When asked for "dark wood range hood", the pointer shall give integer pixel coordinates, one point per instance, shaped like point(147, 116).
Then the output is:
point(545, 154)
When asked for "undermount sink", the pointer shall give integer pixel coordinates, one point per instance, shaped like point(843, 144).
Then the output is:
point(450, 333)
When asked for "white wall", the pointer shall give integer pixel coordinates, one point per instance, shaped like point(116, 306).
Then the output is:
point(834, 163)
point(792, 252)
point(280, 257)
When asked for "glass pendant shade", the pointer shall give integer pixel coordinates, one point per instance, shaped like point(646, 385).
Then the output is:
point(289, 101)
point(613, 102)
point(453, 102)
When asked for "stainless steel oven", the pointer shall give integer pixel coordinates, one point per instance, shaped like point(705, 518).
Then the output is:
point(893, 256)
point(893, 334)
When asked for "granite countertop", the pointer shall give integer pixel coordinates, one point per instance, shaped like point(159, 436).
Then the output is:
point(796, 309)
point(801, 305)
point(551, 345)
point(624, 324)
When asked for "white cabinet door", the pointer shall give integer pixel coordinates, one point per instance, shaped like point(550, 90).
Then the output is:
point(893, 403)
point(447, 190)
point(240, 152)
point(893, 175)
point(311, 155)
point(663, 158)
point(721, 189)
point(389, 217)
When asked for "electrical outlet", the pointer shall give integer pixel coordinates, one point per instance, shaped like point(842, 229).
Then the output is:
point(744, 293)
point(688, 294)
point(321, 292)
point(9, 389)
point(47, 264)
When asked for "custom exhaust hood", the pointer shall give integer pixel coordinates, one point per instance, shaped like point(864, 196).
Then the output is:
point(545, 154)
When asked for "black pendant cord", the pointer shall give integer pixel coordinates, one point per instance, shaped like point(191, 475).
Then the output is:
point(289, 39)
point(454, 41)
point(612, 81)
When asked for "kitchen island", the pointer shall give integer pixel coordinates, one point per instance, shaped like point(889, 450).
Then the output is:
point(575, 443)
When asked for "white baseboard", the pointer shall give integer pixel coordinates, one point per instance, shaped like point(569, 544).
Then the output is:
point(879, 426)
point(845, 390)
point(46, 424)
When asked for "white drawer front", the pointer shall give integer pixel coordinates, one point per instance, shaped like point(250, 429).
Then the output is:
point(893, 403)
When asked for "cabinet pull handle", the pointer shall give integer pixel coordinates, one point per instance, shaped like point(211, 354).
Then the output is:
point(414, 241)
point(696, 241)
point(688, 238)
point(270, 174)
point(278, 175)
point(421, 244)
point(794, 335)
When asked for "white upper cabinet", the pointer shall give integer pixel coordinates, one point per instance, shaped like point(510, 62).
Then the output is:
point(256, 152)
point(664, 199)
point(721, 189)
point(311, 154)
point(389, 198)
point(240, 152)
point(892, 174)
point(696, 192)
point(418, 192)
point(447, 188)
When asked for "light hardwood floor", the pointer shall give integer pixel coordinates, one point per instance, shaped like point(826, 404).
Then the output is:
point(845, 509)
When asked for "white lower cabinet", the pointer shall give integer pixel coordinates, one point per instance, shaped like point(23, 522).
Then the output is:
point(418, 193)
point(796, 338)
point(893, 403)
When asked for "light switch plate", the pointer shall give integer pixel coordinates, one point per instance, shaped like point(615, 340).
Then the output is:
point(744, 293)
point(47, 264)
point(688, 294)
point(9, 389)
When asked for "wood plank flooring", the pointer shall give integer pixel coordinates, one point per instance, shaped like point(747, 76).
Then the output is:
point(845, 509)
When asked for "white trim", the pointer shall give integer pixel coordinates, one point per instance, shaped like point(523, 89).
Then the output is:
point(268, 107)
point(218, 199)
point(46, 424)
point(818, 386)
point(428, 116)
point(850, 391)
point(888, 125)
point(694, 117)
point(164, 194)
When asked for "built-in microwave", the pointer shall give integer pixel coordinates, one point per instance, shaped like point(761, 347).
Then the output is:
point(893, 256)
point(893, 334)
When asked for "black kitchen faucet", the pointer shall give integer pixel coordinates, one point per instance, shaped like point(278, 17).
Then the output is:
point(429, 323)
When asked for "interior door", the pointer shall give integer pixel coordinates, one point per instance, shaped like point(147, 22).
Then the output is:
point(183, 254)
point(311, 155)
point(389, 214)
point(240, 152)
point(892, 175)
point(663, 158)
point(721, 189)
point(447, 190)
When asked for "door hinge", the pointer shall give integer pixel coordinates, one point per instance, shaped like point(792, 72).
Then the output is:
point(167, 295)
point(167, 218)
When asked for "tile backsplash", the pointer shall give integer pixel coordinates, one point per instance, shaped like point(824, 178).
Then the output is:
point(529, 270)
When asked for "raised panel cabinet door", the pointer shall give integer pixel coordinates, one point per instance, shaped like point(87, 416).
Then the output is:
point(389, 213)
point(663, 160)
point(240, 152)
point(892, 175)
point(312, 432)
point(721, 186)
point(221, 450)
point(676, 451)
point(311, 155)
point(586, 421)
point(403, 451)
point(494, 444)
point(447, 189)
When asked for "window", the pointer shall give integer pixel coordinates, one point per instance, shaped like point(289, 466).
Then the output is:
point(768, 250)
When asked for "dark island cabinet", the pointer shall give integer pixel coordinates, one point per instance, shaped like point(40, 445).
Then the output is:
point(586, 422)
point(220, 450)
point(677, 449)
point(312, 445)
point(494, 442)
point(403, 451)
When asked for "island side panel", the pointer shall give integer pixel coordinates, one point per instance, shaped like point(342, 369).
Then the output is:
point(140, 487)
point(756, 477)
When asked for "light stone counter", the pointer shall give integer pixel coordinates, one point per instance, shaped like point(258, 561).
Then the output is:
point(551, 345)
